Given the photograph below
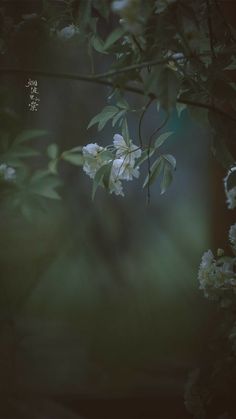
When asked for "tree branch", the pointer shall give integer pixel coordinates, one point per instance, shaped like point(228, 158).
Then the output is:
point(97, 79)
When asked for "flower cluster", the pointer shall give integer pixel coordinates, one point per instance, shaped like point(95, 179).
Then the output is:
point(6, 172)
point(230, 192)
point(217, 274)
point(120, 157)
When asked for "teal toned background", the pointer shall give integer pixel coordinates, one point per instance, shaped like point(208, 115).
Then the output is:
point(100, 299)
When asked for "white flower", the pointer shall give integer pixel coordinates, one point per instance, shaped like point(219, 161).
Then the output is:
point(230, 193)
point(231, 198)
point(7, 172)
point(115, 184)
point(215, 275)
point(232, 234)
point(128, 153)
point(92, 159)
point(208, 275)
point(67, 32)
point(126, 150)
point(207, 260)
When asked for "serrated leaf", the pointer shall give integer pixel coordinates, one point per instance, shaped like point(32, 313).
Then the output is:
point(52, 151)
point(155, 171)
point(162, 138)
point(167, 178)
point(103, 117)
point(99, 177)
point(122, 103)
point(170, 159)
point(117, 117)
point(29, 135)
point(113, 37)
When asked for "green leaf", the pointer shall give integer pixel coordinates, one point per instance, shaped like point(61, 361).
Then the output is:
point(103, 117)
point(122, 103)
point(29, 135)
point(144, 156)
point(117, 117)
point(99, 177)
point(113, 37)
point(167, 178)
point(155, 171)
point(52, 166)
point(162, 138)
point(73, 158)
point(180, 107)
point(107, 174)
point(98, 44)
point(17, 153)
point(44, 184)
point(170, 159)
point(125, 131)
point(52, 151)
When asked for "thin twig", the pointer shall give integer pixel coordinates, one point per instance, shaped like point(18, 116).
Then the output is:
point(141, 120)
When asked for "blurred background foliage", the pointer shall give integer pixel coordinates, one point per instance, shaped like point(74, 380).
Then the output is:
point(98, 299)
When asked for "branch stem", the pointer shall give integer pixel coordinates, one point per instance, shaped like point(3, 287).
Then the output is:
point(97, 79)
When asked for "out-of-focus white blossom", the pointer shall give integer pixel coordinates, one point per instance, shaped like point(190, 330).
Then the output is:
point(215, 275)
point(231, 198)
point(232, 234)
point(230, 192)
point(68, 32)
point(92, 159)
point(129, 11)
point(7, 172)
